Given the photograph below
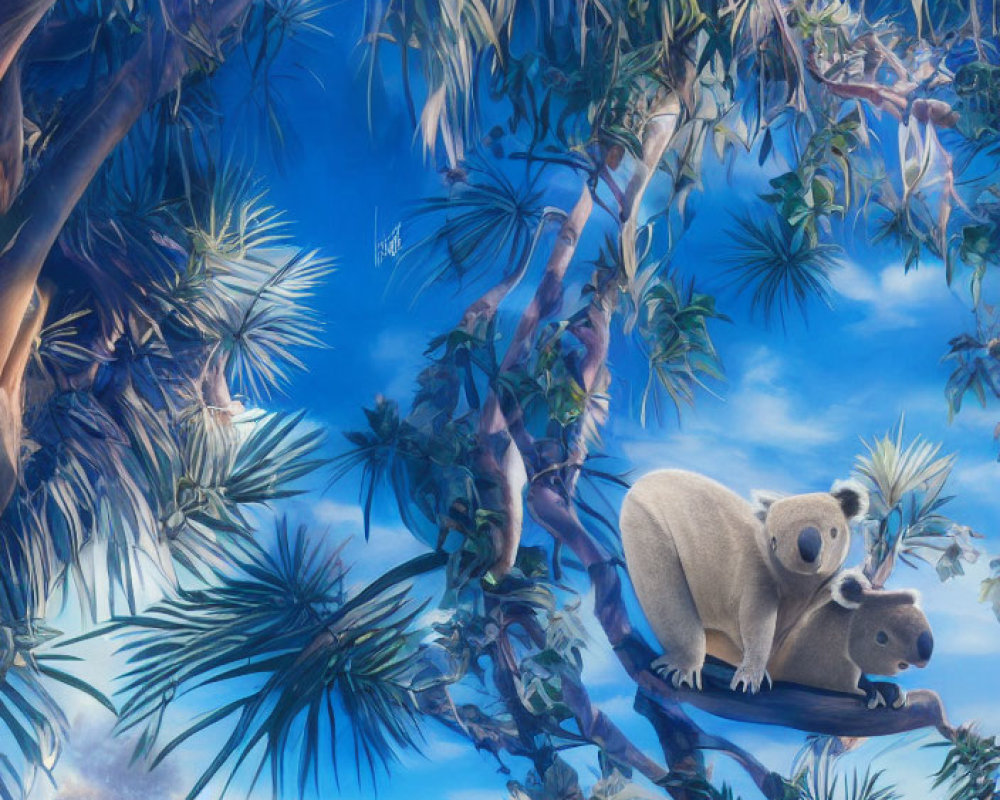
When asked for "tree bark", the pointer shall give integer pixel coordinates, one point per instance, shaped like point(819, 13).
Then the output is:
point(12, 394)
point(11, 137)
point(502, 460)
point(46, 203)
point(20, 19)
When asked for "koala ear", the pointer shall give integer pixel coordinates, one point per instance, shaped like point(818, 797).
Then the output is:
point(853, 498)
point(762, 502)
point(888, 599)
point(849, 587)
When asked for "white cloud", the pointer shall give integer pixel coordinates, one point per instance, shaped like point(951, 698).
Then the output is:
point(893, 296)
point(736, 442)
point(981, 480)
point(386, 547)
point(620, 706)
point(96, 765)
point(330, 512)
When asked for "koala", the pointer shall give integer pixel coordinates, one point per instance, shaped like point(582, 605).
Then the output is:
point(853, 631)
point(715, 575)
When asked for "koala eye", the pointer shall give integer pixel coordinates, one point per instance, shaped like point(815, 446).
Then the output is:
point(833, 533)
point(882, 638)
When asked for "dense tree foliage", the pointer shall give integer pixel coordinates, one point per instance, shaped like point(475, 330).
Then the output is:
point(146, 313)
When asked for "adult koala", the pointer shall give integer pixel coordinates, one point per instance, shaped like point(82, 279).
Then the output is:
point(716, 575)
point(853, 631)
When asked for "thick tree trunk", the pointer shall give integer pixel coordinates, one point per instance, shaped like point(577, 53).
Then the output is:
point(39, 213)
point(11, 137)
point(12, 393)
point(17, 19)
point(503, 461)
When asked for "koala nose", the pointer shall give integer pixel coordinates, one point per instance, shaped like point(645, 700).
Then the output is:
point(810, 543)
point(925, 645)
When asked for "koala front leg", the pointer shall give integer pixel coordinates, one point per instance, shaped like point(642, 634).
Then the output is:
point(758, 618)
point(882, 693)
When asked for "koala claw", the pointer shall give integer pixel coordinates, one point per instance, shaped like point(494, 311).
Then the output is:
point(875, 699)
point(900, 700)
point(750, 679)
point(677, 676)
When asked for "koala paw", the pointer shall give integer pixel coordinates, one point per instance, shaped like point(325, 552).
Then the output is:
point(750, 679)
point(677, 676)
point(892, 695)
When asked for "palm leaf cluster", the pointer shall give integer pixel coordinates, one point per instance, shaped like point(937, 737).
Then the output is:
point(971, 770)
point(816, 776)
point(122, 447)
point(779, 265)
point(906, 484)
point(486, 221)
point(277, 636)
point(33, 722)
point(181, 302)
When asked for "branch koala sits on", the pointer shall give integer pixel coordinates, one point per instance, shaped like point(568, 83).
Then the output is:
point(715, 575)
point(856, 630)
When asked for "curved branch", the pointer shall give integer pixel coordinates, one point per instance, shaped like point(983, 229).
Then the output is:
point(11, 137)
point(804, 708)
point(504, 442)
point(20, 19)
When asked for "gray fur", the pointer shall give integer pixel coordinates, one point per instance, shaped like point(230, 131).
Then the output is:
point(832, 646)
point(714, 578)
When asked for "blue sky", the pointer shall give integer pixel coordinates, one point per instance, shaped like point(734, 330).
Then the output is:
point(789, 416)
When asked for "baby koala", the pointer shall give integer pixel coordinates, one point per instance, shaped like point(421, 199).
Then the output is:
point(853, 631)
point(716, 575)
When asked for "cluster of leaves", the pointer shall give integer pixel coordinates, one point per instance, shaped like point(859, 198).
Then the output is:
point(976, 357)
point(179, 302)
point(33, 721)
point(277, 632)
point(135, 448)
point(906, 485)
point(560, 782)
point(971, 770)
point(816, 776)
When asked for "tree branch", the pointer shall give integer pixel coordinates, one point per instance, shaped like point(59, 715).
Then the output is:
point(598, 728)
point(548, 296)
point(46, 203)
point(504, 443)
point(19, 19)
point(11, 137)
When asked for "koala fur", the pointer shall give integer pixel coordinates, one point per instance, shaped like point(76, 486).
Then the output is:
point(853, 631)
point(716, 576)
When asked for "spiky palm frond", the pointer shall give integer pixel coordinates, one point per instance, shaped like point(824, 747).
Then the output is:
point(454, 41)
point(484, 223)
point(231, 216)
point(280, 619)
point(971, 770)
point(816, 777)
point(266, 316)
point(779, 264)
point(203, 472)
point(31, 721)
point(906, 484)
point(244, 290)
point(893, 469)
